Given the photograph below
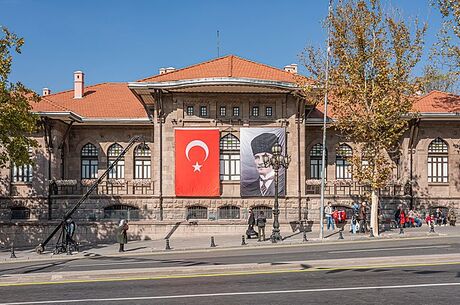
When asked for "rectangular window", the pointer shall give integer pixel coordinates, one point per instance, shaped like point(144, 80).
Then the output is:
point(438, 169)
point(89, 168)
point(22, 173)
point(315, 168)
point(343, 169)
point(230, 167)
point(204, 111)
point(223, 111)
point(236, 111)
point(268, 111)
point(118, 171)
point(190, 110)
point(142, 169)
point(255, 111)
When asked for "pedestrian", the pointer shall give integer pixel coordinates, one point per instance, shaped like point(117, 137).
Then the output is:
point(251, 222)
point(452, 217)
point(261, 221)
point(363, 218)
point(70, 228)
point(122, 235)
point(402, 219)
point(328, 213)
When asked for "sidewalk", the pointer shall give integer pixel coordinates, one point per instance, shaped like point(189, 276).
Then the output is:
point(203, 243)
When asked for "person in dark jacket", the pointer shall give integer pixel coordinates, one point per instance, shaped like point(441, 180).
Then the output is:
point(251, 222)
point(261, 221)
point(363, 218)
point(122, 235)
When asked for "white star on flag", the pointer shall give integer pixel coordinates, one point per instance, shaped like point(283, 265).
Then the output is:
point(197, 167)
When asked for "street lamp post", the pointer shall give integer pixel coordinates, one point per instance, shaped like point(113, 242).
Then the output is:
point(276, 161)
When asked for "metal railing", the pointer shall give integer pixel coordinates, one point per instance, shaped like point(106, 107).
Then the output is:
point(353, 189)
point(108, 188)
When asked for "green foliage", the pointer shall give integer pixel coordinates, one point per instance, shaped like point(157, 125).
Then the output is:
point(372, 55)
point(16, 121)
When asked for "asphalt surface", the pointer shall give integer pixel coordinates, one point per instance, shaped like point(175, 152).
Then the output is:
point(388, 248)
point(408, 285)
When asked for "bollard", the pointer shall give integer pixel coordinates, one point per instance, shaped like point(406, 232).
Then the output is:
point(340, 234)
point(213, 244)
point(243, 241)
point(168, 247)
point(401, 230)
point(371, 234)
point(305, 236)
point(13, 255)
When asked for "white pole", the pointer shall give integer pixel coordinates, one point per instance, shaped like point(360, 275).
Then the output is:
point(323, 157)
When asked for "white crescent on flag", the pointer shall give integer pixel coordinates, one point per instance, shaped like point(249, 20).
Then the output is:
point(199, 143)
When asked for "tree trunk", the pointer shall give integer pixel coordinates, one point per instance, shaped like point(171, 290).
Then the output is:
point(375, 212)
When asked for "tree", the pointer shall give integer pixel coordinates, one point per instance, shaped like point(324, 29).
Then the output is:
point(17, 122)
point(434, 78)
point(447, 47)
point(372, 55)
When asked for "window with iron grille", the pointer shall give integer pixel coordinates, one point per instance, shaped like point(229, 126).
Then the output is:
point(118, 171)
point(223, 111)
point(204, 111)
point(229, 157)
point(89, 161)
point(316, 161)
point(190, 110)
point(229, 212)
point(255, 111)
point(268, 212)
point(342, 163)
point(197, 212)
point(438, 161)
point(22, 173)
point(268, 111)
point(20, 213)
point(121, 211)
point(236, 111)
point(142, 162)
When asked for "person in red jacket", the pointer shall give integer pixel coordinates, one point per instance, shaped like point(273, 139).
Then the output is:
point(402, 221)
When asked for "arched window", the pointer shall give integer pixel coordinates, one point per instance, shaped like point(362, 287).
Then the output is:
point(316, 155)
point(20, 213)
point(121, 211)
point(197, 212)
point(118, 172)
point(142, 162)
point(342, 164)
point(438, 161)
point(229, 158)
point(229, 212)
point(268, 211)
point(89, 161)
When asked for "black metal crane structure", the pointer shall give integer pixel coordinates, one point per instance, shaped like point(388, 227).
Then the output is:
point(62, 225)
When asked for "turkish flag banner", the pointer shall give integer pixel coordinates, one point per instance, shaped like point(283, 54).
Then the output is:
point(197, 162)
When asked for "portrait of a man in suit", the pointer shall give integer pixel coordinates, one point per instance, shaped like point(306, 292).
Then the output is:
point(262, 182)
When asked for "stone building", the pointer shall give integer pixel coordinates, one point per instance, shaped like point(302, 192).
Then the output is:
point(85, 129)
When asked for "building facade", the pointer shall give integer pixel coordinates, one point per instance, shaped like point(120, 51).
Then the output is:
point(86, 129)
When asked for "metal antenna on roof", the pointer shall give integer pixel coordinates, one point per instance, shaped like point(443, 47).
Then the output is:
point(218, 44)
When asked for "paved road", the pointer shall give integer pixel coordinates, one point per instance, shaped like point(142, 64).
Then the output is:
point(408, 285)
point(446, 245)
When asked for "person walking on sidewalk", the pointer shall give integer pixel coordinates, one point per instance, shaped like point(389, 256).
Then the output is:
point(251, 222)
point(363, 218)
point(122, 235)
point(328, 212)
point(261, 221)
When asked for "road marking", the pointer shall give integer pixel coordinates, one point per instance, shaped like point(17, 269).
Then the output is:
point(207, 295)
point(234, 273)
point(388, 249)
point(109, 264)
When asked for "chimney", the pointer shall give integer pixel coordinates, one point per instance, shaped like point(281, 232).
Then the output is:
point(167, 70)
point(78, 84)
point(292, 68)
point(46, 91)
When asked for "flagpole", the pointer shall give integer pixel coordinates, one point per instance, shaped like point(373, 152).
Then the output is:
point(323, 156)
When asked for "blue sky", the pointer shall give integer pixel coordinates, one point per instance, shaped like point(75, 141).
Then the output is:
point(114, 41)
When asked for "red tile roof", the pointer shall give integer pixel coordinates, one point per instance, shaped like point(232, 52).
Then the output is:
point(438, 102)
point(106, 100)
point(227, 66)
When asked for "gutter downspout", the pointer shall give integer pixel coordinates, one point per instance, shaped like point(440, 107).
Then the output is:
point(159, 99)
point(413, 136)
point(299, 185)
point(49, 146)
